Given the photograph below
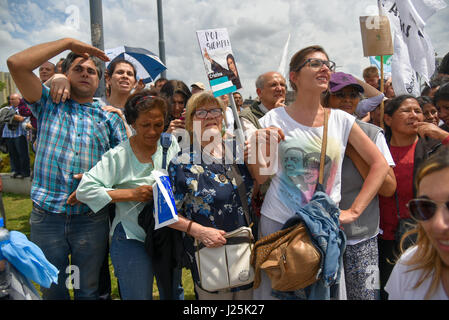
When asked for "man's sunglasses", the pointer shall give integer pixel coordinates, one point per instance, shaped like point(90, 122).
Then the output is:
point(424, 209)
point(317, 64)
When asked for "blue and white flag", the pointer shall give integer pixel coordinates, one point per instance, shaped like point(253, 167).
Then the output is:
point(375, 61)
point(165, 212)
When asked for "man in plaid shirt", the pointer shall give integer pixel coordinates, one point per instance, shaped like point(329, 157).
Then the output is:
point(72, 137)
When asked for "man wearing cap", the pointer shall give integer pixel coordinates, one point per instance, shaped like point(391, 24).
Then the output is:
point(197, 87)
point(361, 254)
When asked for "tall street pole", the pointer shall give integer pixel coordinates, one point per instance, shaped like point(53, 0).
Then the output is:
point(96, 31)
point(161, 37)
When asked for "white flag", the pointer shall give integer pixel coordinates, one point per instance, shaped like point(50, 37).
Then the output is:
point(283, 64)
point(413, 50)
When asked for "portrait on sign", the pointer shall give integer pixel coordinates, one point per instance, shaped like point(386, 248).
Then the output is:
point(219, 60)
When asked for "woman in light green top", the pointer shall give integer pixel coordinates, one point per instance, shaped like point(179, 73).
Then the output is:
point(124, 177)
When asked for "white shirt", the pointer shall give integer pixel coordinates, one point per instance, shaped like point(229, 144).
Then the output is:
point(295, 171)
point(401, 282)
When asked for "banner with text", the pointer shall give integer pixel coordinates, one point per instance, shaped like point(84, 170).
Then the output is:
point(413, 50)
point(219, 61)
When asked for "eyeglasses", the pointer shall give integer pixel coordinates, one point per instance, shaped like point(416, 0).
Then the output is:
point(202, 114)
point(342, 95)
point(317, 64)
point(424, 209)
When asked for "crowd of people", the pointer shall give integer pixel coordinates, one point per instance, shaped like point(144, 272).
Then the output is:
point(93, 174)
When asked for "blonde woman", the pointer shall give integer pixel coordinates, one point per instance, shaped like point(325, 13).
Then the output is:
point(422, 271)
point(204, 189)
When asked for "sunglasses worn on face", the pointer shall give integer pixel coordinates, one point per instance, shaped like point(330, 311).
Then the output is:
point(317, 64)
point(202, 114)
point(424, 209)
point(342, 95)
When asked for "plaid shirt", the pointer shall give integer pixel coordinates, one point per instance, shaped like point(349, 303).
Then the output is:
point(19, 131)
point(72, 138)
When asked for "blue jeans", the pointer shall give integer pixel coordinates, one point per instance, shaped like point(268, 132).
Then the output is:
point(134, 270)
point(83, 237)
point(18, 155)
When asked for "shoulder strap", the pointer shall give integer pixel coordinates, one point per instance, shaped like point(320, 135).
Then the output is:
point(242, 191)
point(323, 147)
point(165, 143)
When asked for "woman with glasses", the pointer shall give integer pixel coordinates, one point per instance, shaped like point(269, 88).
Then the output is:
point(204, 186)
point(302, 123)
point(411, 141)
point(422, 271)
point(361, 254)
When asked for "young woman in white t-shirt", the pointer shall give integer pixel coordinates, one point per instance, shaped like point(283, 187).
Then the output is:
point(302, 125)
point(422, 271)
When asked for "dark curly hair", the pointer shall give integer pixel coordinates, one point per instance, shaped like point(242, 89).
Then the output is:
point(143, 101)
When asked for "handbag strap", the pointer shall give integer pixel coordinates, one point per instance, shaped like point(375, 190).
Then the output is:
point(241, 188)
point(323, 148)
point(397, 205)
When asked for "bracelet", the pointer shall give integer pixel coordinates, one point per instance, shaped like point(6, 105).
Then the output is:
point(189, 226)
point(445, 141)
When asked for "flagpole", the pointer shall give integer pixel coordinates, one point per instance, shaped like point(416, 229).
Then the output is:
point(382, 108)
point(239, 132)
point(382, 90)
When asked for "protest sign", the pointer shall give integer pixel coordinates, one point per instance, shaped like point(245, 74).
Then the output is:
point(376, 36)
point(376, 39)
point(219, 61)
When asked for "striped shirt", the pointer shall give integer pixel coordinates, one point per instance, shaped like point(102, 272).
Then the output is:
point(72, 137)
point(19, 131)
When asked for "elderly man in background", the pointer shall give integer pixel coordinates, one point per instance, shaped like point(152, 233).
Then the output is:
point(271, 89)
point(15, 135)
point(197, 87)
point(46, 71)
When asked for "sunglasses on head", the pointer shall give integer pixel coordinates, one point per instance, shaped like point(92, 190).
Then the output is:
point(424, 209)
point(317, 64)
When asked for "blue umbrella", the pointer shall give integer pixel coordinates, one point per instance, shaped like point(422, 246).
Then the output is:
point(148, 65)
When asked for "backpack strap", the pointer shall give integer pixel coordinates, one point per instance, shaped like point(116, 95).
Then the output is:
point(165, 141)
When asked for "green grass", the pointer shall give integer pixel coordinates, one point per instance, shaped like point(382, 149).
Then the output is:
point(18, 209)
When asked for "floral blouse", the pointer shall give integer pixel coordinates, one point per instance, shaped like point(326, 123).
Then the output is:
point(207, 193)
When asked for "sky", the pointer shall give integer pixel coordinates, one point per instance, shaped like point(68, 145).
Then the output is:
point(258, 30)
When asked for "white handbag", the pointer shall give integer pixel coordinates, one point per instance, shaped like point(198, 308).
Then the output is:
point(227, 266)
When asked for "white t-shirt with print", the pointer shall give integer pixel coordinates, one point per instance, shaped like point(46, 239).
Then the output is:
point(400, 284)
point(298, 162)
